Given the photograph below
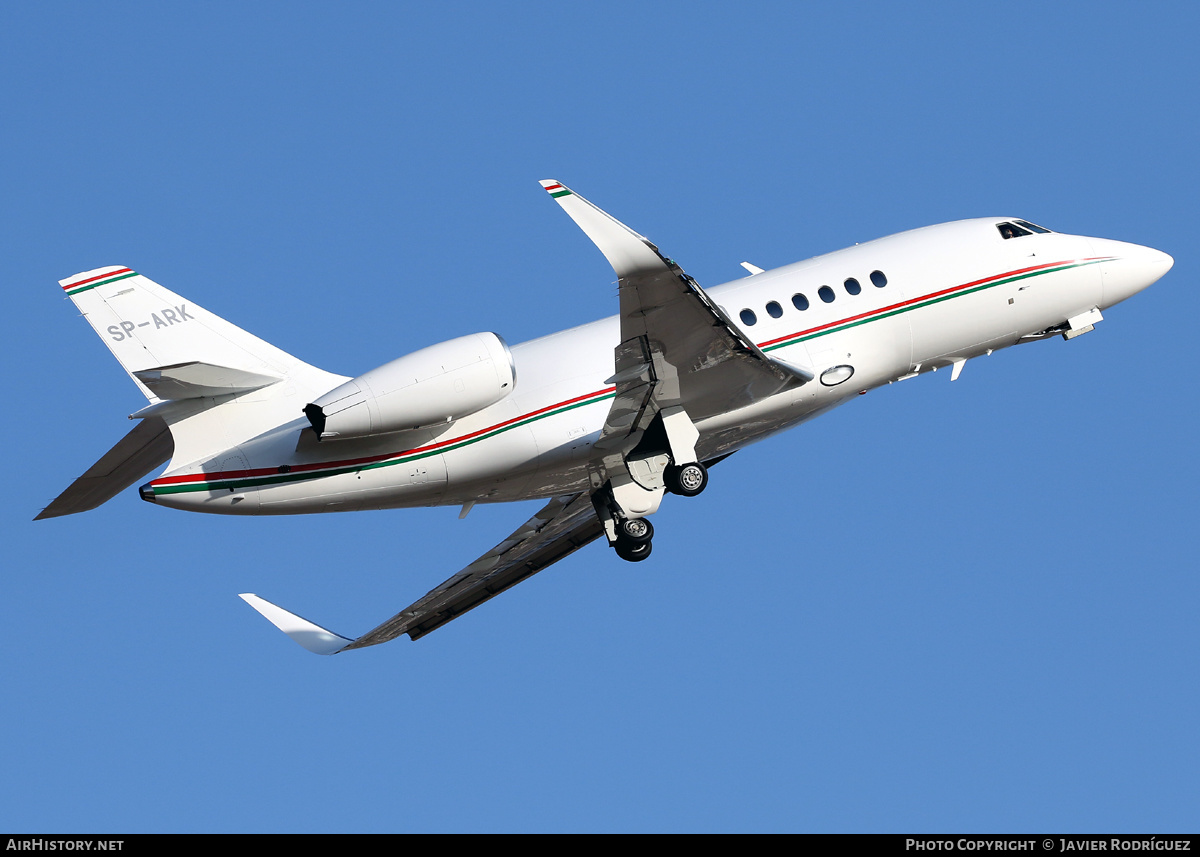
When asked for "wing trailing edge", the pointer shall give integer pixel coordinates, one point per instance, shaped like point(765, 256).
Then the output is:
point(560, 528)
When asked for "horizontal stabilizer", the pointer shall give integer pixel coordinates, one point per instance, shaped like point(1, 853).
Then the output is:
point(192, 366)
point(312, 637)
point(195, 380)
point(143, 449)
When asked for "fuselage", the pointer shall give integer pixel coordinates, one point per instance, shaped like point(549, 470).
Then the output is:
point(858, 318)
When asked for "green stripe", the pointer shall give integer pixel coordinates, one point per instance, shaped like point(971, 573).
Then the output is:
point(561, 193)
point(929, 302)
point(281, 478)
point(73, 291)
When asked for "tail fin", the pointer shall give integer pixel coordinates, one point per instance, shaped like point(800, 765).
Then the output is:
point(172, 348)
point(189, 364)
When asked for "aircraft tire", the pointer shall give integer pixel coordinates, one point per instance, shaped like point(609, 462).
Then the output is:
point(687, 480)
point(635, 531)
point(632, 552)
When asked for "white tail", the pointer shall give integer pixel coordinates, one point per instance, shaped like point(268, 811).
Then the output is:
point(149, 328)
point(213, 384)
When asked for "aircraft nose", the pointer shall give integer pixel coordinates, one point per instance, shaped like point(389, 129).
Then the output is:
point(1150, 263)
point(1132, 269)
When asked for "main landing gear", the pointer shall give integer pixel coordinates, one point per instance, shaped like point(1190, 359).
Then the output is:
point(633, 539)
point(630, 536)
point(628, 484)
point(686, 480)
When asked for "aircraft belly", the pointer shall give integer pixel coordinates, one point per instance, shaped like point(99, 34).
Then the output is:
point(1045, 301)
point(878, 352)
point(419, 482)
point(505, 460)
point(946, 329)
point(548, 455)
point(1038, 295)
point(727, 433)
point(565, 478)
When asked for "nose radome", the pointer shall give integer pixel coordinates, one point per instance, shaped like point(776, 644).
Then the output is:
point(1157, 259)
point(1146, 258)
point(1134, 268)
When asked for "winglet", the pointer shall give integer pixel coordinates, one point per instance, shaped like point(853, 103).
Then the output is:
point(312, 637)
point(628, 252)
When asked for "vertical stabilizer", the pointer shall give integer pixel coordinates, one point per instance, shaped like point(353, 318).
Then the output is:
point(211, 383)
point(149, 329)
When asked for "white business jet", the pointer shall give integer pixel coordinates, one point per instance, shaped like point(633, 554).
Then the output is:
point(601, 420)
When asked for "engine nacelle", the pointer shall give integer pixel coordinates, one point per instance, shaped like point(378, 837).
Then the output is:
point(429, 387)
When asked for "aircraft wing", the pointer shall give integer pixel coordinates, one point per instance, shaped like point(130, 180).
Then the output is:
point(147, 446)
point(561, 527)
point(678, 348)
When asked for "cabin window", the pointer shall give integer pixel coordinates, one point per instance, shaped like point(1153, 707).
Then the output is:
point(826, 294)
point(800, 301)
point(852, 286)
point(878, 279)
point(748, 317)
point(1011, 230)
point(1032, 226)
point(774, 310)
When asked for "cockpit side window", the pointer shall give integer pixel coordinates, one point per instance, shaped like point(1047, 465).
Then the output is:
point(1032, 226)
point(1011, 230)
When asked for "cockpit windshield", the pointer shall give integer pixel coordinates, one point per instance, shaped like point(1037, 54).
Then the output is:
point(1019, 229)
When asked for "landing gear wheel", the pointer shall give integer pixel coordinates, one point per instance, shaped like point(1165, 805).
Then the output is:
point(632, 552)
point(687, 480)
point(635, 531)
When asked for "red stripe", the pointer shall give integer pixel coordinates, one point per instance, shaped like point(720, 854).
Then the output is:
point(553, 186)
point(912, 301)
point(70, 286)
point(329, 465)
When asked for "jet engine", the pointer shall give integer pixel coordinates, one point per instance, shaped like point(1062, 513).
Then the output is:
point(429, 387)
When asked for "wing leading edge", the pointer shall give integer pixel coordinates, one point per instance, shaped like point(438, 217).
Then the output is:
point(678, 347)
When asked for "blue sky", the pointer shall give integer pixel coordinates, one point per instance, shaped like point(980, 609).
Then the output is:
point(966, 607)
